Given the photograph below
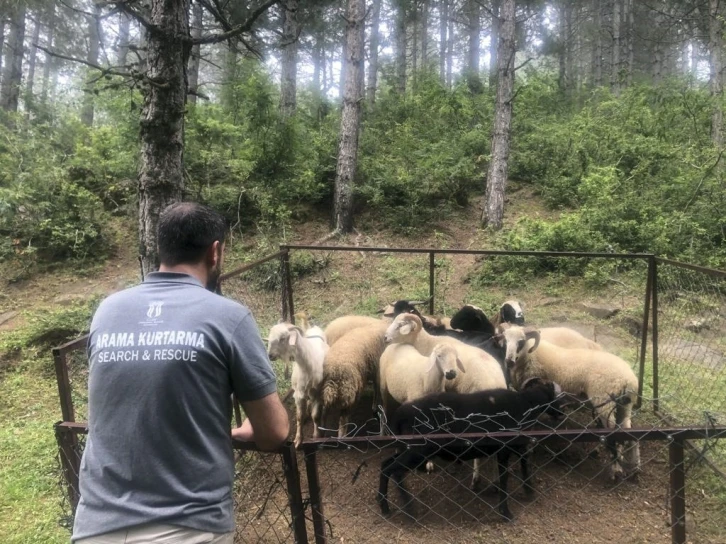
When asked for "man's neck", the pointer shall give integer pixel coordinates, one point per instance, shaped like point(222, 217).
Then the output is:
point(198, 271)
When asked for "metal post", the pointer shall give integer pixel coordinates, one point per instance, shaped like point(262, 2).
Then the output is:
point(316, 502)
point(292, 477)
point(644, 332)
point(656, 400)
point(677, 491)
point(431, 282)
point(287, 303)
point(64, 385)
point(70, 462)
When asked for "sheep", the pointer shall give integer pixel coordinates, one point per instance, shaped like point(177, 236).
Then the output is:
point(307, 350)
point(472, 318)
point(302, 320)
point(604, 379)
point(509, 312)
point(567, 338)
point(430, 323)
point(337, 328)
point(406, 375)
point(482, 371)
point(484, 411)
point(347, 367)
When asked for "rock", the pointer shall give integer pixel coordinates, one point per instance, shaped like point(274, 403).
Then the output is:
point(599, 310)
point(7, 316)
point(633, 325)
point(697, 325)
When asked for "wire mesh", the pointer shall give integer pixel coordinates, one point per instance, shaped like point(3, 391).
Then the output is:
point(692, 349)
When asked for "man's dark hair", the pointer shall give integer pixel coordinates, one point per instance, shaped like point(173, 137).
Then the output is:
point(186, 230)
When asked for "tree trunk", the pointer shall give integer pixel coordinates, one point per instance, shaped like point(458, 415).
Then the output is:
point(715, 39)
point(49, 63)
point(32, 57)
point(443, 16)
point(343, 68)
point(161, 177)
point(197, 22)
point(472, 65)
point(288, 76)
point(122, 51)
point(631, 40)
point(350, 118)
point(94, 39)
point(13, 65)
point(562, 47)
point(2, 40)
point(569, 36)
point(424, 28)
point(401, 47)
point(615, 67)
point(373, 56)
point(414, 38)
point(658, 39)
point(230, 77)
point(450, 45)
point(598, 44)
point(493, 213)
point(494, 43)
point(318, 61)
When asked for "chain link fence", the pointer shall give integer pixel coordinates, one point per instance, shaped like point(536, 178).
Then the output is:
point(574, 498)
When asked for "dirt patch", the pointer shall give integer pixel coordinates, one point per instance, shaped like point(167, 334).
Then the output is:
point(693, 351)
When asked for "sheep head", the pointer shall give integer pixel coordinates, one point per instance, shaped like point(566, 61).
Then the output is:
point(517, 342)
point(403, 330)
point(282, 336)
point(398, 307)
point(511, 312)
point(446, 360)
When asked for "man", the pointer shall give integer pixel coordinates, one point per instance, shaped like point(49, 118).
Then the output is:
point(164, 358)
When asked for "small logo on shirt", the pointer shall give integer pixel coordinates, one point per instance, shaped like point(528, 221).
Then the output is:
point(154, 309)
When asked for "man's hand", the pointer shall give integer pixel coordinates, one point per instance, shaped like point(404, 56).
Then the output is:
point(267, 424)
point(244, 432)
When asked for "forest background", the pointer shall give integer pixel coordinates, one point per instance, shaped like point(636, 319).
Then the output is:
point(617, 120)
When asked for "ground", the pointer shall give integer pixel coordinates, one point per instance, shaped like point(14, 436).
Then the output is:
point(574, 502)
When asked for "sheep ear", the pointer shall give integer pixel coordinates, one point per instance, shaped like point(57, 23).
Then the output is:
point(293, 337)
point(406, 328)
point(498, 339)
point(533, 335)
point(460, 365)
point(432, 365)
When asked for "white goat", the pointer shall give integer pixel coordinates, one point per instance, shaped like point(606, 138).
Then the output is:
point(288, 343)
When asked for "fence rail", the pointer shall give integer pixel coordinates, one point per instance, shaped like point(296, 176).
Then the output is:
point(674, 292)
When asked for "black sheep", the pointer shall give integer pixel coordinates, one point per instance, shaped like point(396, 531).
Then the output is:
point(485, 411)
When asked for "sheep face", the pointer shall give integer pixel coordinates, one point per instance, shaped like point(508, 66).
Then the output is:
point(280, 338)
point(471, 318)
point(511, 312)
point(403, 330)
point(398, 307)
point(517, 343)
point(446, 360)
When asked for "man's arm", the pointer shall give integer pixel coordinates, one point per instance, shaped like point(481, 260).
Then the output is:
point(267, 424)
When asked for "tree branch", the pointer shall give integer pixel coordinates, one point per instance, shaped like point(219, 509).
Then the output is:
point(234, 31)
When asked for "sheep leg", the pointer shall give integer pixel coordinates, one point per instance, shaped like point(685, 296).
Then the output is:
point(503, 465)
point(476, 476)
point(300, 418)
point(386, 469)
point(396, 467)
point(342, 423)
point(526, 476)
point(606, 415)
point(631, 448)
point(317, 415)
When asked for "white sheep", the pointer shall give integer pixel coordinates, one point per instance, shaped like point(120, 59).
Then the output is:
point(340, 326)
point(482, 370)
point(307, 350)
point(348, 365)
point(567, 338)
point(406, 375)
point(603, 379)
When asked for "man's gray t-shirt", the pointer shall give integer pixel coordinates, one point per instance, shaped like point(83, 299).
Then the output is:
point(164, 358)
